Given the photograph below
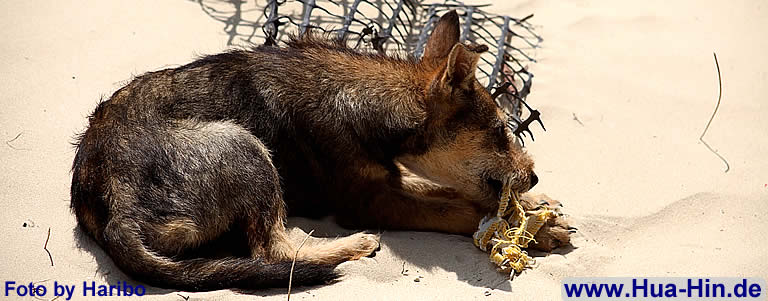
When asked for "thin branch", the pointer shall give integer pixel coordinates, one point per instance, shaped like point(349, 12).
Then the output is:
point(719, 97)
point(293, 265)
point(577, 119)
point(14, 139)
point(35, 292)
point(45, 247)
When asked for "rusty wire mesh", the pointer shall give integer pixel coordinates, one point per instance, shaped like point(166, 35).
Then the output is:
point(398, 26)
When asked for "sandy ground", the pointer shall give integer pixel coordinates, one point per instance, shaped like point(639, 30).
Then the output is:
point(625, 87)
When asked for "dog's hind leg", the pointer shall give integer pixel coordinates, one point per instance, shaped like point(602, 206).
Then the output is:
point(336, 251)
point(267, 237)
point(351, 247)
point(169, 187)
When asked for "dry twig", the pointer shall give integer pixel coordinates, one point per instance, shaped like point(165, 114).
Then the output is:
point(290, 277)
point(45, 247)
point(719, 96)
point(8, 142)
point(577, 119)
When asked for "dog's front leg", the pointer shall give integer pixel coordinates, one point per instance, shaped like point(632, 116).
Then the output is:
point(401, 212)
point(414, 203)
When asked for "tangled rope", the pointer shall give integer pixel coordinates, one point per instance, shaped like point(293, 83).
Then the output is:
point(506, 234)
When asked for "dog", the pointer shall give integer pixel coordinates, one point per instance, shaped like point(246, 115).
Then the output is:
point(230, 142)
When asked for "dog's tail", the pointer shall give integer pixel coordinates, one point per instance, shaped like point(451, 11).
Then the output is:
point(124, 245)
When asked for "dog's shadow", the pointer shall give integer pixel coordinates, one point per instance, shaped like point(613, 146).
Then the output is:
point(411, 254)
point(403, 254)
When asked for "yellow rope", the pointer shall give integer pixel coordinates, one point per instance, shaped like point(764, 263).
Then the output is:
point(509, 232)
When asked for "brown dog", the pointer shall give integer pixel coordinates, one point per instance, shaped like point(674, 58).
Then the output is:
point(181, 156)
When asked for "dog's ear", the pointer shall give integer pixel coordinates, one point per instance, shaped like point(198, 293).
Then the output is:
point(443, 38)
point(455, 72)
point(460, 66)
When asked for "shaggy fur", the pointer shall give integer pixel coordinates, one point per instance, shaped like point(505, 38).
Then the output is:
point(230, 142)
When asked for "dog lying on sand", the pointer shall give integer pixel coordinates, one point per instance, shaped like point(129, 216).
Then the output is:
point(229, 142)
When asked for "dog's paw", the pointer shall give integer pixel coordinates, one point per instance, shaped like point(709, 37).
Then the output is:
point(552, 235)
point(556, 232)
point(363, 244)
point(533, 202)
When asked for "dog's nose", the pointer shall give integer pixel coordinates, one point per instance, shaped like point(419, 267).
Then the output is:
point(534, 179)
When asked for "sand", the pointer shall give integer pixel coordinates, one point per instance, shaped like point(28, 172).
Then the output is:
point(625, 90)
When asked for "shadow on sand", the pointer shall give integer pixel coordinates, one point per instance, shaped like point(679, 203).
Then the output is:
point(416, 251)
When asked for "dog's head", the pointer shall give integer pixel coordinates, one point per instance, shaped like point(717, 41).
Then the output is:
point(469, 146)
